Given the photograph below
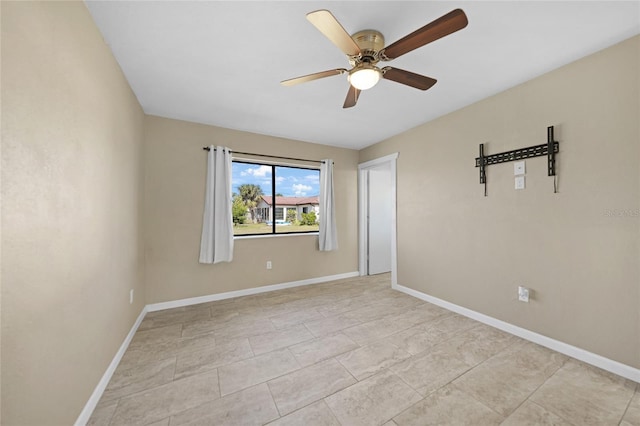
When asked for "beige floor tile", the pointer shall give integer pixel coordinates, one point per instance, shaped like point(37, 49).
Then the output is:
point(250, 329)
point(585, 395)
point(253, 300)
point(217, 304)
point(481, 342)
point(372, 401)
point(163, 401)
point(632, 415)
point(374, 330)
point(316, 350)
point(166, 349)
point(126, 381)
point(163, 422)
point(148, 338)
point(294, 318)
point(330, 325)
point(423, 336)
point(453, 322)
point(302, 387)
point(531, 414)
point(506, 380)
point(374, 311)
point(279, 339)
point(449, 406)
point(345, 304)
point(141, 356)
point(171, 311)
point(425, 312)
point(243, 374)
point(252, 406)
point(212, 357)
point(228, 316)
point(231, 312)
point(371, 359)
point(432, 369)
point(316, 414)
point(235, 322)
point(401, 299)
point(281, 297)
point(281, 311)
point(186, 344)
point(171, 317)
point(386, 326)
point(103, 413)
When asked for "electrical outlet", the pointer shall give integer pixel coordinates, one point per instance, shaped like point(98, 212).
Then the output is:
point(269, 265)
point(523, 294)
point(519, 182)
point(518, 168)
point(131, 296)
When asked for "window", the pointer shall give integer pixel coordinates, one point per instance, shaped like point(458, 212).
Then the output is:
point(272, 199)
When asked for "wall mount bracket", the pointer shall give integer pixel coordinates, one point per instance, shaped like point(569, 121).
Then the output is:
point(549, 149)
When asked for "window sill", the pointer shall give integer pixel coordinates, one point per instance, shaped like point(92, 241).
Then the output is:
point(301, 234)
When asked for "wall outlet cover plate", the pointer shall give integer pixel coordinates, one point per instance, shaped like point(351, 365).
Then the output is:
point(519, 182)
point(518, 168)
point(523, 294)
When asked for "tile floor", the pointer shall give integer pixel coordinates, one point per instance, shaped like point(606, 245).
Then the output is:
point(349, 352)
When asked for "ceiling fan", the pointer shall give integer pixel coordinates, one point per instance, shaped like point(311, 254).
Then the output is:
point(365, 49)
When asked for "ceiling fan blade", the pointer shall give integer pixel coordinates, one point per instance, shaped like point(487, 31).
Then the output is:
point(409, 78)
point(311, 77)
point(352, 97)
point(445, 25)
point(328, 25)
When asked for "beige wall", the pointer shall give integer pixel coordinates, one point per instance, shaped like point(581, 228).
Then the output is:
point(71, 187)
point(455, 244)
point(175, 170)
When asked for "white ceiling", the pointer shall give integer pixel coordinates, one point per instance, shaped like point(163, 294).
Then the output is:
point(220, 62)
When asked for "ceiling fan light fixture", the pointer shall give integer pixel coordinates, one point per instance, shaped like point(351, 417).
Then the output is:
point(364, 77)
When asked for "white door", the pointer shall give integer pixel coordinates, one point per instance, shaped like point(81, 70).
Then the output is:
point(379, 223)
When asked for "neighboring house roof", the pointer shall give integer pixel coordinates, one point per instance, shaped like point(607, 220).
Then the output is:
point(291, 201)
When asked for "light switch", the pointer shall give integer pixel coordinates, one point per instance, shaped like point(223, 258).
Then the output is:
point(519, 182)
point(518, 168)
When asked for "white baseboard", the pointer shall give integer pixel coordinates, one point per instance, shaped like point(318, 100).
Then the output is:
point(246, 292)
point(607, 364)
point(84, 416)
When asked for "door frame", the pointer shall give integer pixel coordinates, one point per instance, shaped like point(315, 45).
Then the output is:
point(363, 207)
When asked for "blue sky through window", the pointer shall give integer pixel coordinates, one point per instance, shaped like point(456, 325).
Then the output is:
point(290, 182)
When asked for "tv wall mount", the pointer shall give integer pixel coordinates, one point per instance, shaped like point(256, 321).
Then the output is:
point(550, 149)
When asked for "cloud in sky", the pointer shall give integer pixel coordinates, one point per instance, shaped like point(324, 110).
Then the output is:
point(301, 190)
point(261, 171)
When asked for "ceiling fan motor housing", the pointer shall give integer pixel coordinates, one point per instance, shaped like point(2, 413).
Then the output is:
point(370, 43)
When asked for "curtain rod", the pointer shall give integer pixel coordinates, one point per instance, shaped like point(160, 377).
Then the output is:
point(206, 148)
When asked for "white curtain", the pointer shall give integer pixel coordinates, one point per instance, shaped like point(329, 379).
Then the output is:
point(328, 237)
point(216, 244)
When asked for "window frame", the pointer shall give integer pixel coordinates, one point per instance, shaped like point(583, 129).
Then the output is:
point(273, 166)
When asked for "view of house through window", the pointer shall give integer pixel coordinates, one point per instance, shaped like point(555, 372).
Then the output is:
point(271, 199)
